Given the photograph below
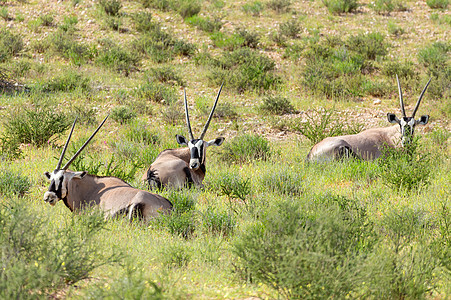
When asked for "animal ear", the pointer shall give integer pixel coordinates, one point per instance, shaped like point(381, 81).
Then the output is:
point(423, 120)
point(216, 142)
point(47, 174)
point(181, 139)
point(392, 118)
point(80, 175)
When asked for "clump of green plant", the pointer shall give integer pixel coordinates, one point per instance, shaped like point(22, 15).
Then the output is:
point(441, 4)
point(394, 29)
point(290, 28)
point(39, 257)
point(304, 252)
point(172, 114)
point(234, 186)
point(10, 44)
point(176, 255)
point(34, 125)
point(156, 92)
point(369, 45)
point(321, 123)
point(165, 74)
point(13, 183)
point(404, 70)
point(246, 148)
point(85, 114)
point(68, 24)
point(216, 221)
point(244, 69)
point(143, 21)
point(68, 81)
point(188, 8)
point(282, 181)
point(164, 5)
point(254, 8)
point(435, 58)
point(111, 7)
point(46, 20)
point(405, 168)
point(387, 6)
point(277, 105)
point(117, 58)
point(204, 23)
point(122, 114)
point(341, 6)
point(64, 44)
point(280, 6)
point(4, 14)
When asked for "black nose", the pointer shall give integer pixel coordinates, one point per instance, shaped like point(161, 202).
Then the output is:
point(193, 166)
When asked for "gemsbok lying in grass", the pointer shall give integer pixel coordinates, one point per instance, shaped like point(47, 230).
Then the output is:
point(367, 144)
point(114, 196)
point(183, 166)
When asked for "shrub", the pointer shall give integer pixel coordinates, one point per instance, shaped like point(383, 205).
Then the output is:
point(172, 114)
point(442, 4)
point(254, 8)
point(165, 74)
point(290, 28)
point(117, 58)
point(12, 183)
point(233, 186)
point(111, 7)
point(68, 81)
point(277, 105)
point(143, 21)
point(85, 114)
point(244, 69)
point(10, 44)
point(188, 8)
point(122, 114)
point(225, 41)
point(138, 132)
point(64, 44)
point(250, 39)
point(158, 4)
point(156, 92)
point(404, 70)
point(340, 6)
point(320, 124)
point(35, 125)
point(39, 258)
point(218, 222)
point(435, 56)
point(46, 20)
point(9, 147)
point(405, 168)
point(368, 45)
point(69, 23)
point(279, 6)
point(4, 14)
point(204, 24)
point(246, 148)
point(113, 23)
point(306, 254)
point(387, 6)
point(176, 255)
point(394, 29)
point(283, 181)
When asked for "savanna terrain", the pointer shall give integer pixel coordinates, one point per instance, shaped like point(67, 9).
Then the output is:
point(266, 225)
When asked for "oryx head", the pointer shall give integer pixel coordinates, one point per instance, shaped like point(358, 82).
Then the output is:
point(198, 146)
point(407, 124)
point(60, 177)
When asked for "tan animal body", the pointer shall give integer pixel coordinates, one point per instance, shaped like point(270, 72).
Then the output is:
point(79, 190)
point(184, 166)
point(367, 145)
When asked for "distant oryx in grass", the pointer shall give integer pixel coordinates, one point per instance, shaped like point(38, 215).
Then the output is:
point(367, 144)
point(183, 166)
point(79, 190)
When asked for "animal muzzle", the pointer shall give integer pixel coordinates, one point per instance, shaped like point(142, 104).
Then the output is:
point(194, 164)
point(51, 198)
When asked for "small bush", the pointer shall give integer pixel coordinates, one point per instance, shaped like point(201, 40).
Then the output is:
point(114, 23)
point(172, 114)
point(138, 132)
point(368, 45)
point(246, 148)
point(340, 6)
point(68, 24)
point(405, 168)
point(156, 92)
point(12, 183)
point(64, 44)
point(46, 20)
point(394, 29)
point(85, 114)
point(66, 82)
point(34, 125)
point(218, 222)
point(255, 8)
point(435, 57)
point(111, 7)
point(188, 8)
point(441, 4)
point(4, 14)
point(143, 21)
point(157, 4)
point(387, 6)
point(290, 28)
point(176, 255)
point(277, 105)
point(122, 114)
point(179, 224)
point(283, 181)
point(235, 187)
point(117, 58)
point(165, 74)
point(320, 124)
point(404, 70)
point(204, 24)
point(10, 44)
point(279, 6)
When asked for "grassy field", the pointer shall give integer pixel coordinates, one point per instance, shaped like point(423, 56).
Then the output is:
point(266, 225)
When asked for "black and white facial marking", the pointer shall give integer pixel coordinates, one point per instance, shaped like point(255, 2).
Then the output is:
point(58, 184)
point(407, 125)
point(198, 149)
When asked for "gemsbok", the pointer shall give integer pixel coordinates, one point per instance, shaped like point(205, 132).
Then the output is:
point(114, 196)
point(183, 166)
point(367, 145)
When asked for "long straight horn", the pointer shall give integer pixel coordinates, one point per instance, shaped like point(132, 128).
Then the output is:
point(187, 118)
point(65, 146)
point(421, 97)
point(84, 145)
point(403, 111)
point(211, 114)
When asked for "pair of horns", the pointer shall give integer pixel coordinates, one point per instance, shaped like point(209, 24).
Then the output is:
point(58, 167)
point(209, 117)
point(418, 102)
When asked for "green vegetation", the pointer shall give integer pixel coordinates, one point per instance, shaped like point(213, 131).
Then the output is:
point(341, 6)
point(442, 4)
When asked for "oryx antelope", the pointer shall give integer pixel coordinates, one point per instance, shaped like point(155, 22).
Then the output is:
point(79, 190)
point(183, 166)
point(367, 144)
